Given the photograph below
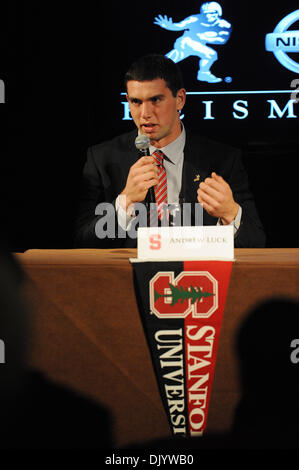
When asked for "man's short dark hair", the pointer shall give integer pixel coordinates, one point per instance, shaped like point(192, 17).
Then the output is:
point(153, 66)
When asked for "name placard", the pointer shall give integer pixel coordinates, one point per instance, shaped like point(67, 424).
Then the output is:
point(185, 243)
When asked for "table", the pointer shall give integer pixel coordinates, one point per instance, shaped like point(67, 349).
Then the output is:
point(86, 331)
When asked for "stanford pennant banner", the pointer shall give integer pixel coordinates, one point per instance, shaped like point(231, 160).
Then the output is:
point(181, 305)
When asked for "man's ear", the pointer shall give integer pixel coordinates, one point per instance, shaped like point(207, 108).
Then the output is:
point(181, 98)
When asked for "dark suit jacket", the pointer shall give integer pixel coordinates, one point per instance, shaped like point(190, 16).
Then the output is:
point(107, 167)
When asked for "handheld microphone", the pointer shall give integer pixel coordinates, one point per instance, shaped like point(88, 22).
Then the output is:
point(142, 143)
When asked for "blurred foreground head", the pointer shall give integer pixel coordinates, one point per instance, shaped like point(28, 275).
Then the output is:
point(264, 346)
point(269, 406)
point(13, 323)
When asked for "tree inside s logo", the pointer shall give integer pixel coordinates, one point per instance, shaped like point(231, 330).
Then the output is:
point(194, 293)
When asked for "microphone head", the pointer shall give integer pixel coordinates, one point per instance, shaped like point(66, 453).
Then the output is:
point(142, 142)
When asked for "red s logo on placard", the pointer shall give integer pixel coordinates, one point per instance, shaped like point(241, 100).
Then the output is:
point(155, 242)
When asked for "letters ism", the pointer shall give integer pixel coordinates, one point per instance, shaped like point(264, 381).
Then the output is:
point(240, 110)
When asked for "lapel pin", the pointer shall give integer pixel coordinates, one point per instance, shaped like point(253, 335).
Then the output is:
point(197, 178)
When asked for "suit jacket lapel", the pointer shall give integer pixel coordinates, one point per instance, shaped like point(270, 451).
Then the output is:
point(196, 168)
point(133, 154)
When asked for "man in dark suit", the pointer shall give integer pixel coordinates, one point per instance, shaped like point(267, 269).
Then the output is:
point(199, 171)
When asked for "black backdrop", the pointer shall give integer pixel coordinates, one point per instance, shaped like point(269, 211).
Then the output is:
point(63, 70)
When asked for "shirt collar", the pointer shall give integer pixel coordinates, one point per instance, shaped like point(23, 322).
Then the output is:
point(174, 151)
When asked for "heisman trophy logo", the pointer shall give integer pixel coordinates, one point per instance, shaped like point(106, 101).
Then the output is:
point(190, 292)
point(206, 27)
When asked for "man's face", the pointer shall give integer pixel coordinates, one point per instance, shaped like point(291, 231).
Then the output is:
point(154, 110)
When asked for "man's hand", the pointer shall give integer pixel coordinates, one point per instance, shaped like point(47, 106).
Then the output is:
point(142, 176)
point(217, 199)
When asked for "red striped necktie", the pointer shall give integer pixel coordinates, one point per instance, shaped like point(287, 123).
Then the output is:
point(161, 187)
